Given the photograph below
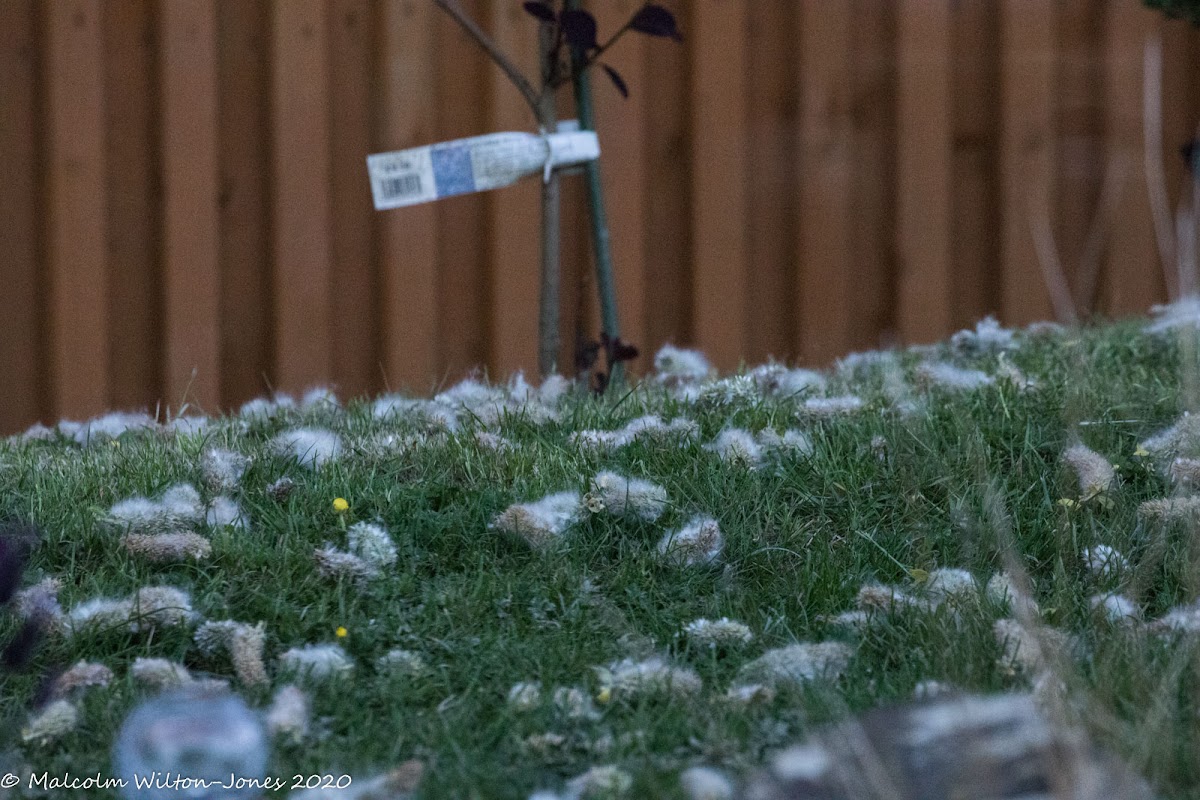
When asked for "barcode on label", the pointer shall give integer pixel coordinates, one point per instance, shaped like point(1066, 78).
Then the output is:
point(400, 186)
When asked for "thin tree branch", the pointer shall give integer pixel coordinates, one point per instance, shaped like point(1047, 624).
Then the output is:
point(522, 83)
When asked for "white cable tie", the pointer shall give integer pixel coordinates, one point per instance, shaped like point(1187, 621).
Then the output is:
point(549, 165)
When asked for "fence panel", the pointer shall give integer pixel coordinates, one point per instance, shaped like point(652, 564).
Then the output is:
point(185, 188)
point(23, 391)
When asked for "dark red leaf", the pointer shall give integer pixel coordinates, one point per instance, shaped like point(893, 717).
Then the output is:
point(540, 10)
point(654, 20)
point(580, 29)
point(586, 354)
point(622, 351)
point(617, 80)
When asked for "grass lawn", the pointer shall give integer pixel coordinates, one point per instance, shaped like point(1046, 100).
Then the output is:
point(938, 468)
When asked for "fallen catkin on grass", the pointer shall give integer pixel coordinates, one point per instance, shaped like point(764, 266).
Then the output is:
point(634, 498)
point(740, 553)
point(242, 642)
point(1095, 472)
point(542, 522)
point(696, 543)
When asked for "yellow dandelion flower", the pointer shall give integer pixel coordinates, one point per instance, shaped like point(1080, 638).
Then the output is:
point(341, 631)
point(340, 505)
point(604, 696)
point(1141, 452)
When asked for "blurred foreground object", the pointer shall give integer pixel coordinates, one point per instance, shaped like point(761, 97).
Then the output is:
point(194, 735)
point(962, 747)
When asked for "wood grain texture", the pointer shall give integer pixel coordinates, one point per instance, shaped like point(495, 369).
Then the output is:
point(23, 391)
point(1028, 148)
point(668, 231)
point(873, 112)
point(1128, 31)
point(77, 262)
point(719, 48)
point(1080, 162)
point(303, 281)
point(513, 218)
point(783, 182)
point(462, 309)
point(924, 170)
point(772, 98)
point(826, 181)
point(975, 245)
point(355, 302)
point(191, 230)
point(244, 200)
point(407, 238)
point(135, 213)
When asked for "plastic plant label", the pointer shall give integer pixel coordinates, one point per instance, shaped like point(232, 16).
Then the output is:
point(421, 174)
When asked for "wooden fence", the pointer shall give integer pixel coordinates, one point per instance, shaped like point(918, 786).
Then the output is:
point(185, 210)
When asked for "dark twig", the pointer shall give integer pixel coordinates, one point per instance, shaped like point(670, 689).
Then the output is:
point(522, 83)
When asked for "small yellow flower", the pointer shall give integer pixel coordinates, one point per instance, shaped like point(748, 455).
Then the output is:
point(604, 696)
point(340, 505)
point(1067, 502)
point(341, 630)
point(1141, 452)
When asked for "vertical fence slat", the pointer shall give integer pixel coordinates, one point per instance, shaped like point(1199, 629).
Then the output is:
point(1081, 163)
point(1181, 99)
point(134, 202)
point(191, 231)
point(623, 133)
point(825, 180)
point(665, 103)
point(976, 210)
point(302, 277)
point(75, 208)
point(513, 215)
point(407, 237)
point(460, 220)
point(22, 390)
point(1130, 239)
point(207, 155)
point(720, 246)
point(355, 356)
point(771, 181)
point(245, 216)
point(1027, 152)
point(873, 175)
point(924, 170)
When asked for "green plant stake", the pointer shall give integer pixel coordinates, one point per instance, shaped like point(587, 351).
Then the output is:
point(564, 25)
point(601, 241)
